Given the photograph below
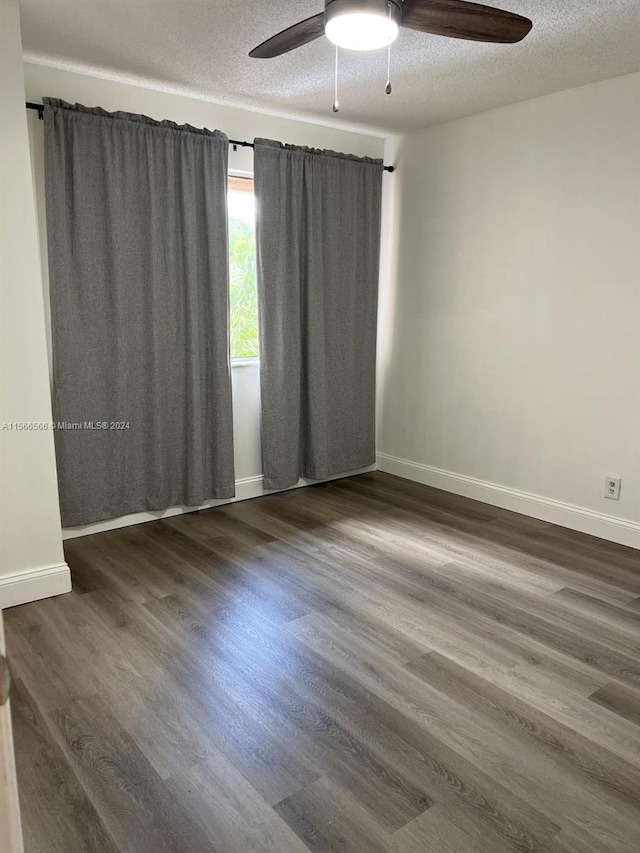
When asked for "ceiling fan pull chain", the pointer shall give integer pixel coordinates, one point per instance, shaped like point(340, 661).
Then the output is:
point(336, 102)
point(387, 88)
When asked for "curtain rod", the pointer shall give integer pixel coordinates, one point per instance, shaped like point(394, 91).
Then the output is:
point(233, 142)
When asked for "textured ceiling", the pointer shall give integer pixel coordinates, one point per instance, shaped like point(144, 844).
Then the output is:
point(200, 47)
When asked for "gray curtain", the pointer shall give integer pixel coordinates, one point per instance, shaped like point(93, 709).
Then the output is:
point(137, 239)
point(318, 234)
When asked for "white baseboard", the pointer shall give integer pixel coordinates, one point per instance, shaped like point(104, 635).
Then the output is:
point(249, 487)
point(33, 584)
point(556, 512)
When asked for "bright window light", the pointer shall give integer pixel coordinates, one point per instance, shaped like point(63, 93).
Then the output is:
point(243, 290)
point(361, 30)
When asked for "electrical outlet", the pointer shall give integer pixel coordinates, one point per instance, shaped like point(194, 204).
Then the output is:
point(612, 488)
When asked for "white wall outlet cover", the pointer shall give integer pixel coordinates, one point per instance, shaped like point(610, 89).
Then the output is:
point(612, 488)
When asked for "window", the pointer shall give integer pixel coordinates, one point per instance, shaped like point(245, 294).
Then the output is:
point(243, 290)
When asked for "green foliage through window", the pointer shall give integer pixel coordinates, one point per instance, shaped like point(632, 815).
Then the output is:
point(242, 276)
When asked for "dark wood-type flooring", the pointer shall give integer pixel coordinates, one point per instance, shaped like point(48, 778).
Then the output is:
point(365, 666)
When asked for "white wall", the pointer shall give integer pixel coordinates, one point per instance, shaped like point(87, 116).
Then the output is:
point(237, 124)
point(32, 563)
point(510, 343)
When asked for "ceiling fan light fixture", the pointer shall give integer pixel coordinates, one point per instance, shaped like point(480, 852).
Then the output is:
point(362, 24)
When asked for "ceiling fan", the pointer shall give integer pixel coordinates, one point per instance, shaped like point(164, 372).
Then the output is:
point(373, 24)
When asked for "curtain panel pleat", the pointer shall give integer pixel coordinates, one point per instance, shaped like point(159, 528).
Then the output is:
point(318, 243)
point(138, 271)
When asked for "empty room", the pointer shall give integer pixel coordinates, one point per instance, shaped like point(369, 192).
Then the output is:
point(319, 426)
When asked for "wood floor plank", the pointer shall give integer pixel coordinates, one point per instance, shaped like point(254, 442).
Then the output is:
point(230, 812)
point(620, 700)
point(561, 634)
point(550, 784)
point(223, 577)
point(579, 839)
point(544, 691)
point(329, 819)
point(272, 763)
point(363, 666)
point(148, 708)
point(484, 543)
point(57, 814)
point(432, 550)
point(104, 565)
point(203, 698)
point(381, 787)
point(134, 803)
point(419, 756)
point(209, 525)
point(474, 594)
point(444, 829)
point(456, 627)
point(504, 709)
point(569, 777)
point(50, 672)
point(600, 611)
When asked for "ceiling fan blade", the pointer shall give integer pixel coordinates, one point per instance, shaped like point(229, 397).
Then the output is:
point(462, 20)
point(301, 33)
